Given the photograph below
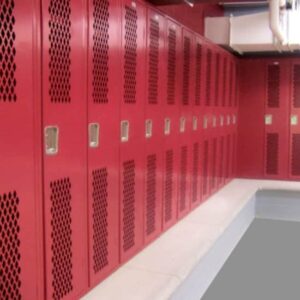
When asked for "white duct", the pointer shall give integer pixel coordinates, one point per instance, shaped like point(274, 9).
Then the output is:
point(275, 6)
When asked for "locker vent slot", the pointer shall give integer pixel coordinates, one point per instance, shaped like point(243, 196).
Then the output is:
point(130, 57)
point(153, 62)
point(224, 82)
point(10, 269)
point(205, 168)
point(198, 74)
point(272, 153)
point(60, 51)
point(169, 173)
point(151, 194)
point(195, 185)
point(235, 87)
point(208, 77)
point(100, 51)
point(217, 78)
point(228, 163)
point(231, 84)
point(186, 70)
point(171, 66)
point(100, 222)
point(183, 178)
point(233, 155)
point(273, 85)
point(296, 155)
point(128, 204)
point(61, 235)
point(214, 163)
point(296, 86)
point(221, 160)
point(7, 52)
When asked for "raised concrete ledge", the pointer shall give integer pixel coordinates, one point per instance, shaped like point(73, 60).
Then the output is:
point(183, 262)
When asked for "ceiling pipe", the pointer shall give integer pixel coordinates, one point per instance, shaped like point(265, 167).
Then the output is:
point(275, 7)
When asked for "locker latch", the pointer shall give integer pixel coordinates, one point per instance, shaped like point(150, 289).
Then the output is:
point(124, 131)
point(51, 139)
point(167, 126)
point(228, 120)
point(221, 121)
point(205, 122)
point(268, 119)
point(294, 120)
point(214, 121)
point(182, 125)
point(94, 130)
point(148, 128)
point(195, 123)
point(233, 119)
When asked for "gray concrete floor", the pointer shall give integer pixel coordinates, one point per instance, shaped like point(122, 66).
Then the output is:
point(264, 266)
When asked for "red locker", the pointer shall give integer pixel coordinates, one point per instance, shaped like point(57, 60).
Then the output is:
point(21, 258)
point(171, 124)
point(132, 125)
point(65, 147)
point(154, 124)
point(185, 125)
point(276, 119)
point(294, 157)
point(104, 95)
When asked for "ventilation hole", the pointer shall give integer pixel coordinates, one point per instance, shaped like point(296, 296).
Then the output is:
point(10, 268)
point(153, 62)
point(217, 78)
point(60, 51)
point(183, 178)
point(169, 171)
point(224, 81)
point(214, 164)
point(228, 156)
point(273, 85)
point(231, 84)
point(130, 57)
point(100, 51)
point(205, 168)
point(221, 161)
point(208, 77)
point(198, 74)
point(195, 186)
point(233, 154)
point(171, 66)
point(61, 234)
point(296, 155)
point(296, 86)
point(272, 153)
point(100, 215)
point(7, 52)
point(151, 194)
point(186, 70)
point(128, 205)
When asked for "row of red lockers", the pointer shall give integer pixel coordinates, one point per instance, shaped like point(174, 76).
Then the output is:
point(269, 115)
point(137, 112)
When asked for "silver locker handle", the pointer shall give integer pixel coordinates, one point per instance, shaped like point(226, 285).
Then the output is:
point(294, 120)
point(51, 134)
point(195, 123)
point(148, 128)
point(182, 125)
point(167, 126)
point(124, 131)
point(268, 119)
point(205, 122)
point(94, 131)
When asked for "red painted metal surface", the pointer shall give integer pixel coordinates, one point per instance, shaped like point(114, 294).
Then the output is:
point(104, 94)
point(154, 124)
point(65, 176)
point(132, 151)
point(20, 184)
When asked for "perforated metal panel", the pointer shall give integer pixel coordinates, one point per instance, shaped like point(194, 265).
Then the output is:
point(130, 55)
point(171, 65)
point(221, 161)
point(208, 77)
point(8, 52)
point(195, 178)
point(273, 86)
point(61, 232)
point(296, 86)
point(59, 51)
point(217, 79)
point(100, 50)
point(10, 252)
point(168, 186)
point(214, 164)
point(183, 178)
point(225, 80)
point(205, 168)
point(272, 145)
point(186, 70)
point(296, 155)
point(100, 219)
point(198, 75)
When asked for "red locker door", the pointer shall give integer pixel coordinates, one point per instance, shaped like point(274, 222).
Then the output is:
point(65, 147)
point(276, 119)
point(154, 124)
point(103, 124)
point(132, 127)
point(294, 155)
point(171, 125)
point(185, 126)
point(20, 184)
